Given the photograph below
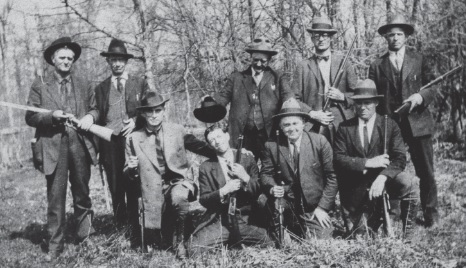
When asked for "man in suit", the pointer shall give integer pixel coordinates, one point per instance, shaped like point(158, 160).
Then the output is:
point(117, 98)
point(161, 160)
point(65, 147)
point(366, 157)
point(255, 95)
point(314, 81)
point(399, 74)
point(301, 172)
point(219, 178)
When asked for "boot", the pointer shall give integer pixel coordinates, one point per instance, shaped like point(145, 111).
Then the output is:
point(178, 240)
point(409, 209)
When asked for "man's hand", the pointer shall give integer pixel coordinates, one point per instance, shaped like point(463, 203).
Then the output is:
point(415, 99)
point(231, 186)
point(322, 217)
point(335, 94)
point(322, 117)
point(238, 171)
point(246, 152)
point(380, 161)
point(377, 187)
point(277, 191)
point(60, 116)
point(128, 128)
point(86, 122)
point(133, 162)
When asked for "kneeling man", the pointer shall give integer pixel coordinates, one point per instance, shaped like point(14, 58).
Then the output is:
point(370, 157)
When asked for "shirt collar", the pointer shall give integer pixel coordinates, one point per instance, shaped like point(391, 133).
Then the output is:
point(61, 78)
point(369, 122)
point(150, 132)
point(124, 76)
point(400, 53)
point(325, 53)
point(227, 157)
point(297, 142)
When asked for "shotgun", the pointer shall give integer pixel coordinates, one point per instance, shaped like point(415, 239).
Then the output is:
point(141, 211)
point(235, 234)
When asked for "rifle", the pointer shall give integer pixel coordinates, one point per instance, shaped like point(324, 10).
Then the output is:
point(403, 110)
point(385, 198)
point(141, 211)
point(279, 201)
point(99, 131)
point(235, 234)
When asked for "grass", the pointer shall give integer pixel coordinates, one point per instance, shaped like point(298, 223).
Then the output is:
point(23, 219)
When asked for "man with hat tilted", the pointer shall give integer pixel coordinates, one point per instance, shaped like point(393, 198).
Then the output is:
point(315, 77)
point(117, 98)
point(306, 180)
point(362, 164)
point(399, 74)
point(162, 164)
point(66, 148)
point(255, 96)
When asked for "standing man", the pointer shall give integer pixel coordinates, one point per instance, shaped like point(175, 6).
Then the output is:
point(361, 163)
point(117, 98)
point(66, 148)
point(161, 160)
point(307, 182)
point(255, 94)
point(219, 178)
point(399, 74)
point(315, 77)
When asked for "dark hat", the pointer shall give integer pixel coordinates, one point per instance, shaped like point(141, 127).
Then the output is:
point(151, 100)
point(321, 25)
point(397, 21)
point(210, 111)
point(365, 90)
point(291, 107)
point(117, 48)
point(60, 43)
point(261, 45)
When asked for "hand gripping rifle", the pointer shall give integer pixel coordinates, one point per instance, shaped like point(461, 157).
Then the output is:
point(279, 201)
point(135, 175)
point(235, 233)
point(385, 198)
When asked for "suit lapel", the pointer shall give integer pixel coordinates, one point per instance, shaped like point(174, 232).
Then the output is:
point(334, 65)
point(265, 80)
point(304, 151)
point(248, 84)
point(52, 90)
point(168, 145)
point(376, 133)
point(285, 153)
point(217, 174)
point(408, 64)
point(106, 91)
point(77, 86)
point(129, 87)
point(149, 149)
point(354, 132)
point(314, 67)
point(385, 68)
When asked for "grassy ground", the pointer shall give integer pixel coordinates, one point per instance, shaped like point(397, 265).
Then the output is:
point(23, 219)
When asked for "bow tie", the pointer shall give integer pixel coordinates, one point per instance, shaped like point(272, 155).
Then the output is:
point(318, 57)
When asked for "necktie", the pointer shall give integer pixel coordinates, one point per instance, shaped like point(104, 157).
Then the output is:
point(65, 100)
point(159, 150)
point(319, 58)
point(120, 84)
point(366, 139)
point(295, 156)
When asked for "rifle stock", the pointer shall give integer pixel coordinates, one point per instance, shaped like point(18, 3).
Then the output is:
point(236, 235)
point(141, 211)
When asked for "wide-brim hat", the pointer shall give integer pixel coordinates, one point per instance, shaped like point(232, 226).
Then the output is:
point(366, 90)
point(261, 45)
point(210, 111)
point(117, 48)
point(61, 43)
point(322, 25)
point(291, 107)
point(151, 100)
point(397, 21)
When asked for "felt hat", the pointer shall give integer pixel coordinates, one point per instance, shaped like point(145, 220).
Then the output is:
point(291, 107)
point(61, 43)
point(151, 100)
point(321, 25)
point(365, 90)
point(261, 45)
point(397, 21)
point(117, 48)
point(210, 111)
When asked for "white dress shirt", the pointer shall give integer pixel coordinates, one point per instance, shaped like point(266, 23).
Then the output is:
point(257, 76)
point(124, 78)
point(324, 67)
point(370, 127)
point(397, 57)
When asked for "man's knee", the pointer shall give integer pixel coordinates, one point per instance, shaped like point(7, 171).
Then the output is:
point(179, 195)
point(405, 185)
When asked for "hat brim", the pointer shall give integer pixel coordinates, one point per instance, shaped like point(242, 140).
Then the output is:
point(210, 114)
point(367, 97)
point(330, 31)
point(113, 54)
point(302, 114)
point(269, 52)
point(409, 29)
point(152, 105)
point(75, 47)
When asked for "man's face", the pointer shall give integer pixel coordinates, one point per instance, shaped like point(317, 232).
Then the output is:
point(259, 61)
point(219, 140)
point(154, 116)
point(396, 38)
point(321, 41)
point(63, 60)
point(117, 64)
point(292, 126)
point(365, 109)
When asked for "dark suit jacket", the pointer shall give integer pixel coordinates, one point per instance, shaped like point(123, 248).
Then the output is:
point(273, 91)
point(309, 86)
point(175, 143)
point(46, 94)
point(414, 75)
point(211, 179)
point(318, 181)
point(350, 159)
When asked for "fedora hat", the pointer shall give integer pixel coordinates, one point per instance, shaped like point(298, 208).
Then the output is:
point(321, 25)
point(151, 100)
point(397, 21)
point(261, 45)
point(291, 107)
point(117, 48)
point(210, 111)
point(365, 90)
point(60, 43)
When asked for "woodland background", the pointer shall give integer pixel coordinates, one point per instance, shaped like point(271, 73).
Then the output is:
point(186, 48)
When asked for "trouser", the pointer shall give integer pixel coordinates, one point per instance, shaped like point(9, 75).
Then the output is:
point(73, 159)
point(254, 141)
point(177, 205)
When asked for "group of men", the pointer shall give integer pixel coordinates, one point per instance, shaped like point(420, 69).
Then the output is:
point(307, 152)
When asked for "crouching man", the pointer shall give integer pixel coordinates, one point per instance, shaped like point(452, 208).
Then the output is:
point(365, 169)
